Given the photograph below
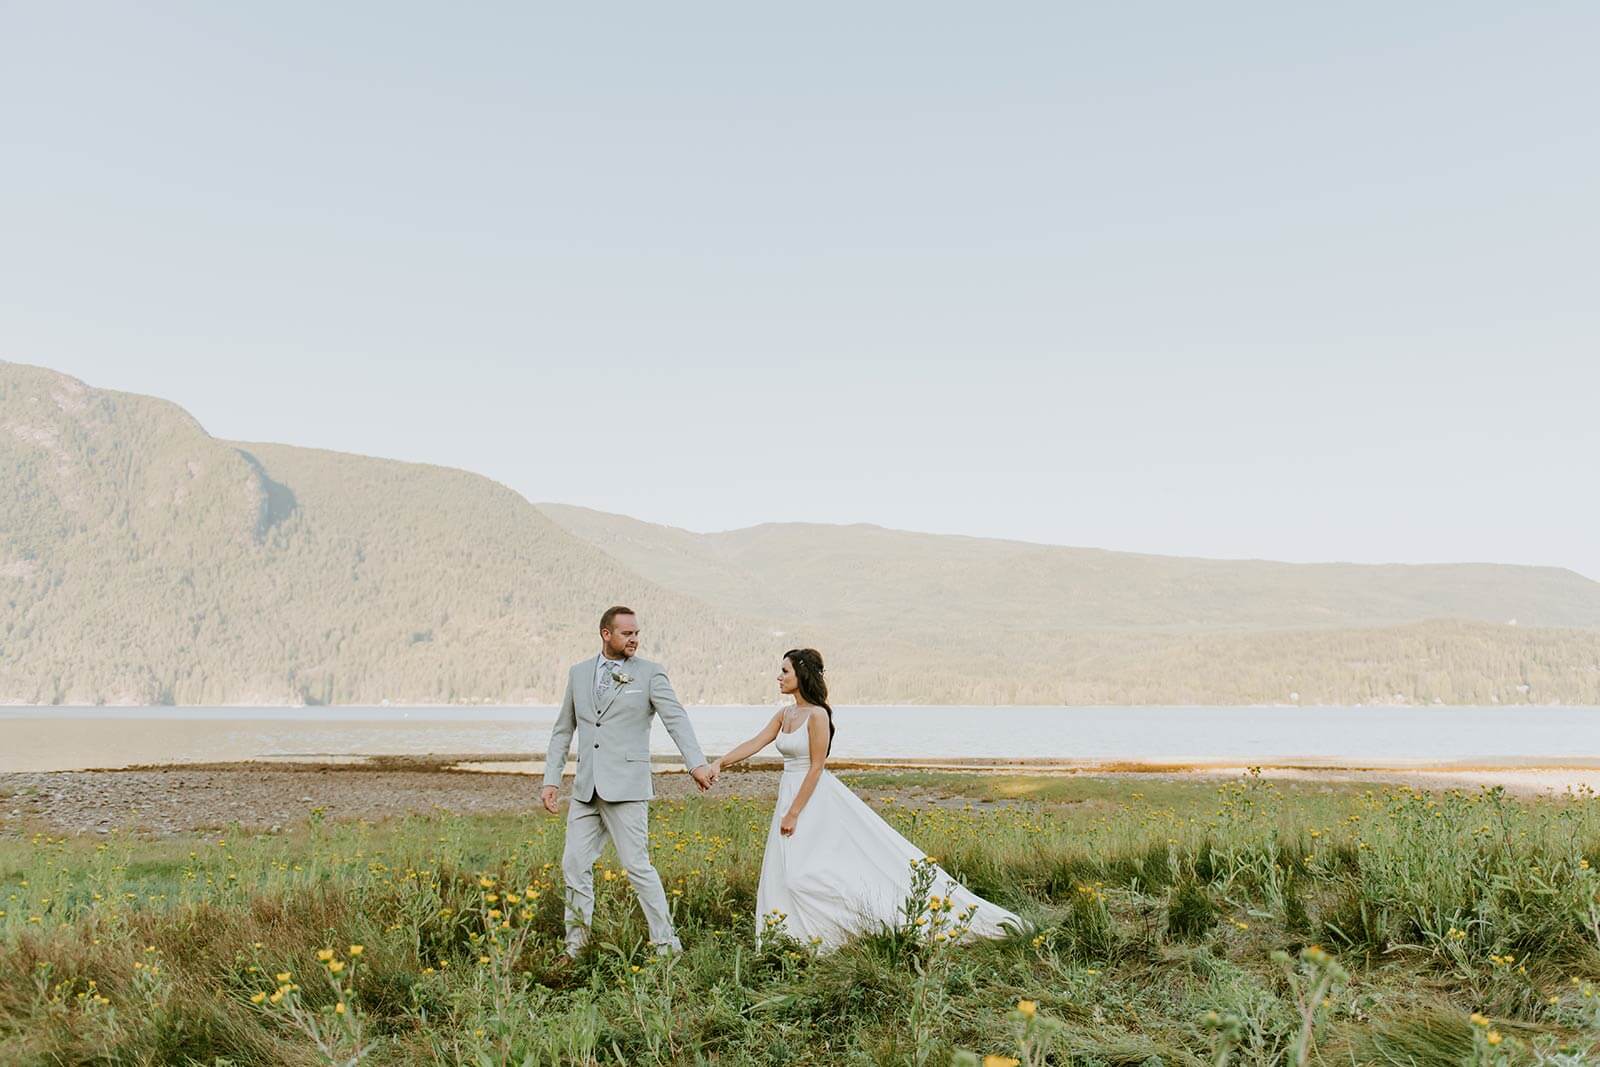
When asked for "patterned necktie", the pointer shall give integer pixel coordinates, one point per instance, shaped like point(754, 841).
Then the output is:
point(602, 681)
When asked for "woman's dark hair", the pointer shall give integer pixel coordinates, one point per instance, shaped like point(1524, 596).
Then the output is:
point(807, 664)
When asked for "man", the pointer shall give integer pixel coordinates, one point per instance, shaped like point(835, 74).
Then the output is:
point(611, 793)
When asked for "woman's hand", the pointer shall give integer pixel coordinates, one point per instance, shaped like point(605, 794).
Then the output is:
point(786, 827)
point(715, 767)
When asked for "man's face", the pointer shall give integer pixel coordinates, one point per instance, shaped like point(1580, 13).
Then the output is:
point(622, 639)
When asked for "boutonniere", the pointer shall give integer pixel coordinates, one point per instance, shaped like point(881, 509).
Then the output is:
point(620, 678)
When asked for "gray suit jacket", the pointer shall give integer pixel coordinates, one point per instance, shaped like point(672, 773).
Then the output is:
point(614, 738)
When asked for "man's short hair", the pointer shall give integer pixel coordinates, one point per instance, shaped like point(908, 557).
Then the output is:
point(611, 616)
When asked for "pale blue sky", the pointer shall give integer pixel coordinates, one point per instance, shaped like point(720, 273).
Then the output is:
point(1291, 281)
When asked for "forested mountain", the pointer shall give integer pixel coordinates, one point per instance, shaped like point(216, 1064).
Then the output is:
point(955, 619)
point(143, 561)
point(863, 574)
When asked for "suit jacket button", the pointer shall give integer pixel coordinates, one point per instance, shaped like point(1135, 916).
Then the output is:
point(597, 744)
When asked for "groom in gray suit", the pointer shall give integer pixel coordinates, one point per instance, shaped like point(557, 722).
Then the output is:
point(612, 791)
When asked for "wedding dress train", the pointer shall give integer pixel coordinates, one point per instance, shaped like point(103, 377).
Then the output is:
point(845, 870)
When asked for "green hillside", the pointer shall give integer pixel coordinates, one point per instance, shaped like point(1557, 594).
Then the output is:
point(143, 561)
point(968, 620)
point(862, 574)
point(146, 562)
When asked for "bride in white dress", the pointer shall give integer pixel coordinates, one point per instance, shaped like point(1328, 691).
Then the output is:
point(833, 867)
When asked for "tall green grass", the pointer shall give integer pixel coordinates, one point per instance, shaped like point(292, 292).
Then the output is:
point(1249, 923)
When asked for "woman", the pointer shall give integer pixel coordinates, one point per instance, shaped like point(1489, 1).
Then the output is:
point(832, 867)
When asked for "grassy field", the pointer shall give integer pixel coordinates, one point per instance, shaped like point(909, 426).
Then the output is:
point(1177, 923)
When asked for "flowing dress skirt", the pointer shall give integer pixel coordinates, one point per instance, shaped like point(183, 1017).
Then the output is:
point(846, 871)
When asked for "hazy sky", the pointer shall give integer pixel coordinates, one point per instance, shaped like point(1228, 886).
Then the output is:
point(1284, 280)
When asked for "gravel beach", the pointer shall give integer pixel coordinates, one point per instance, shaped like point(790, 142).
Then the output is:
point(274, 796)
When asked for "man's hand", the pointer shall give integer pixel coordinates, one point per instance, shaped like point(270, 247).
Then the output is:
point(548, 795)
point(702, 776)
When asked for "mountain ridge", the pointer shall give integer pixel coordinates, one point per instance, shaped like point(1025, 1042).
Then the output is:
point(1394, 593)
point(144, 561)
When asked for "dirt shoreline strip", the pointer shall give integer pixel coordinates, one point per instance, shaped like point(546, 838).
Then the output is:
point(276, 795)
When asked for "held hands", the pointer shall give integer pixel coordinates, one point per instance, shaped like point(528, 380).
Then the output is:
point(704, 777)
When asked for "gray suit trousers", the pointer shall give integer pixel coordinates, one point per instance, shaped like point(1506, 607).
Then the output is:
point(627, 824)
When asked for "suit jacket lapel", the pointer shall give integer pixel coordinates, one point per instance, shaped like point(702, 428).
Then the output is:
point(586, 690)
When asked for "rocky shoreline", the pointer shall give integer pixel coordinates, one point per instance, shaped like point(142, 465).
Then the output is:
point(276, 796)
point(273, 797)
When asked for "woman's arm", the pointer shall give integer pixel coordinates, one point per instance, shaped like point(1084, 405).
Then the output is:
point(749, 748)
point(817, 728)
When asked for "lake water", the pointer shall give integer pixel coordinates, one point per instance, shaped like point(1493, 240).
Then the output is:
point(67, 738)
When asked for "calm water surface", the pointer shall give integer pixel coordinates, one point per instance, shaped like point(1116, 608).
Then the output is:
point(66, 738)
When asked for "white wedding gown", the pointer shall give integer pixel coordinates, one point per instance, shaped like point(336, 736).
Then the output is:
point(844, 870)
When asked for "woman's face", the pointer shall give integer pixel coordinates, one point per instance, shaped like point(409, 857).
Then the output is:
point(788, 684)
